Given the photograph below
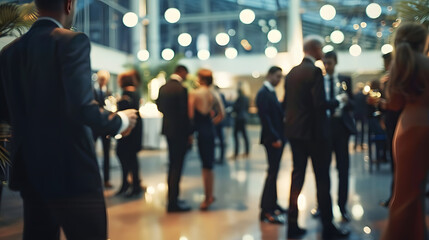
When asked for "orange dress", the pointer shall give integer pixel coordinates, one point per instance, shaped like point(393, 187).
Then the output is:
point(411, 151)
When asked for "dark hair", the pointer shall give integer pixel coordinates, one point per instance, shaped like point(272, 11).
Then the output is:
point(387, 56)
point(127, 79)
point(49, 5)
point(273, 70)
point(404, 77)
point(206, 76)
point(180, 68)
point(331, 55)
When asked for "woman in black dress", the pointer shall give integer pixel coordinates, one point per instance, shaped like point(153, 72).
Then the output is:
point(128, 146)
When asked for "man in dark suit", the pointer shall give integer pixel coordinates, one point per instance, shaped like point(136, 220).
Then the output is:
point(46, 82)
point(101, 93)
point(305, 127)
point(173, 103)
point(271, 115)
point(338, 87)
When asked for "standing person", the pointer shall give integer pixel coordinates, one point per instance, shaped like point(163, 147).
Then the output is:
point(203, 103)
point(409, 90)
point(390, 121)
point(173, 103)
point(52, 109)
point(271, 115)
point(306, 128)
point(361, 115)
point(339, 87)
point(219, 129)
point(128, 146)
point(101, 93)
point(241, 109)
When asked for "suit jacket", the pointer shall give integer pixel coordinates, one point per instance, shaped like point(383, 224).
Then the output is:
point(347, 112)
point(271, 115)
point(46, 81)
point(173, 103)
point(305, 103)
point(99, 98)
point(241, 107)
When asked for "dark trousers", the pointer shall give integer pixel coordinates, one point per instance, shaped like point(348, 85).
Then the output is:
point(317, 150)
point(221, 137)
point(106, 154)
point(269, 195)
point(360, 135)
point(80, 218)
point(129, 163)
point(177, 148)
point(339, 144)
point(240, 127)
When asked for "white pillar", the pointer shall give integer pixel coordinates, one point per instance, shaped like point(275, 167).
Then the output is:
point(154, 30)
point(135, 31)
point(295, 37)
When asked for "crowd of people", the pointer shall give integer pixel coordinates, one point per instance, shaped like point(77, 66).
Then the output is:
point(56, 114)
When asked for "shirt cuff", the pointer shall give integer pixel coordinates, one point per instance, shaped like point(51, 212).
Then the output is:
point(125, 122)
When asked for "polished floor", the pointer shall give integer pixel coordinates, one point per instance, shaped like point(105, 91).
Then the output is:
point(235, 213)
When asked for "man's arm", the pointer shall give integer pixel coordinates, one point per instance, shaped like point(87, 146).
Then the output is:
point(81, 105)
point(262, 104)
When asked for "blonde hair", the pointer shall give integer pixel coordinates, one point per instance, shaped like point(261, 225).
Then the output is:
point(206, 75)
point(404, 74)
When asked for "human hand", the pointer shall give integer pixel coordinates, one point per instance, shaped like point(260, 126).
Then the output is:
point(277, 144)
point(132, 118)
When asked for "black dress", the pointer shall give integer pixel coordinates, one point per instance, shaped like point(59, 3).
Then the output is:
point(128, 147)
point(206, 135)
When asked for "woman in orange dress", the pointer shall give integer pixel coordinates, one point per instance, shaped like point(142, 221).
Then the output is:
point(409, 90)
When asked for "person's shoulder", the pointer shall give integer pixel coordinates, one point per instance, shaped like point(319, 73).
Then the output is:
point(71, 37)
point(10, 46)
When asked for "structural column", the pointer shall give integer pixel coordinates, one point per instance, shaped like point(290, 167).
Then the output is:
point(154, 36)
point(295, 37)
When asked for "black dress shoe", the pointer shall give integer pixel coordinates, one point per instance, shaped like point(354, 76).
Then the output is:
point(122, 190)
point(279, 210)
point(332, 232)
point(294, 231)
point(178, 208)
point(345, 217)
point(271, 218)
point(136, 192)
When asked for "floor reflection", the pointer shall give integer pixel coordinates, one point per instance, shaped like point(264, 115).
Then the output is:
point(235, 213)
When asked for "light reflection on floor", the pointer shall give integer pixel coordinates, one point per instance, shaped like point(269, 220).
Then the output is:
point(235, 213)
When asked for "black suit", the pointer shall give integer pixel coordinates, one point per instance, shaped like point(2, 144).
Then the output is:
point(100, 96)
point(173, 103)
point(342, 125)
point(271, 115)
point(241, 108)
point(306, 128)
point(46, 75)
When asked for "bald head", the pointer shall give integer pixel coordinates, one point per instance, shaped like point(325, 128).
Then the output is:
point(313, 46)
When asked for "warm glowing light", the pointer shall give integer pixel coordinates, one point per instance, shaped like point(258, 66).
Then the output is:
point(256, 74)
point(328, 48)
point(130, 19)
point(247, 16)
point(143, 55)
point(150, 190)
point(222, 39)
point(373, 10)
point(363, 24)
point(184, 39)
point(386, 48)
point(231, 53)
point(172, 15)
point(337, 36)
point(379, 34)
point(203, 54)
point(355, 50)
point(357, 212)
point(271, 52)
point(274, 36)
point(248, 237)
point(167, 54)
point(367, 230)
point(183, 238)
point(356, 26)
point(327, 12)
point(223, 79)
